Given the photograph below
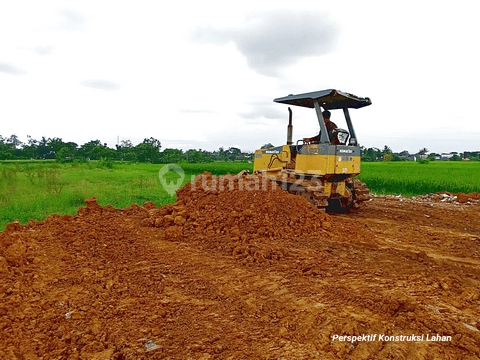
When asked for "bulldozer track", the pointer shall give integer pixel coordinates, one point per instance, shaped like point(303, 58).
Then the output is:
point(362, 192)
point(314, 192)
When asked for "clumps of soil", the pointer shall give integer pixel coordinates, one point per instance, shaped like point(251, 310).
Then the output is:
point(237, 268)
point(205, 212)
point(66, 280)
point(91, 285)
point(239, 215)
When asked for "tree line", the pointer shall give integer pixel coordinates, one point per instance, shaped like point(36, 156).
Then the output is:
point(149, 150)
point(386, 154)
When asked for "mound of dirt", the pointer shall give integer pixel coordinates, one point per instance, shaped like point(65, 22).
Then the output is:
point(237, 268)
point(238, 214)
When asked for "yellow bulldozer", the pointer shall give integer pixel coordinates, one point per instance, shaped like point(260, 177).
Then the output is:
point(321, 168)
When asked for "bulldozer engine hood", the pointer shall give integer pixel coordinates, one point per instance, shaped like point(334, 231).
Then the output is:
point(276, 150)
point(348, 150)
point(327, 149)
point(328, 99)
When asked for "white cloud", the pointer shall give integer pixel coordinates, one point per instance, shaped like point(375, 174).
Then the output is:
point(11, 69)
point(274, 39)
point(72, 20)
point(415, 60)
point(101, 85)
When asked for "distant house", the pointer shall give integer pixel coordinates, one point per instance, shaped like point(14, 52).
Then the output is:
point(446, 156)
point(418, 156)
point(243, 156)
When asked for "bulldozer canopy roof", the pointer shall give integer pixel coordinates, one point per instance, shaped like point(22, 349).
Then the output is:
point(329, 99)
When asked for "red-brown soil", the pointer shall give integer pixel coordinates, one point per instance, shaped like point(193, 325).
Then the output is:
point(243, 274)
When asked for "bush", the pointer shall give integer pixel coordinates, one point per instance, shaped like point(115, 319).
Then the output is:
point(105, 163)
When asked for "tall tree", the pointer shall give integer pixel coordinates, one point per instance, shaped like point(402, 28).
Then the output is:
point(14, 142)
point(171, 156)
point(30, 149)
point(55, 144)
point(148, 150)
point(43, 149)
point(86, 151)
point(423, 151)
point(126, 151)
point(154, 142)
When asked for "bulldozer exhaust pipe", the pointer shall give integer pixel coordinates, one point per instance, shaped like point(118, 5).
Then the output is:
point(290, 127)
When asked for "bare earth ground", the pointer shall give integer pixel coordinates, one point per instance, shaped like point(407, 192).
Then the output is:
point(243, 275)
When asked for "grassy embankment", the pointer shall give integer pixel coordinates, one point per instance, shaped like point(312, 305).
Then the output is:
point(33, 190)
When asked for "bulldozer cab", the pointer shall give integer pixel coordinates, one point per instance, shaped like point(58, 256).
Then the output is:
point(334, 154)
point(329, 99)
point(322, 170)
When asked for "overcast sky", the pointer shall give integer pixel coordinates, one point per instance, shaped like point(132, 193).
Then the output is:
point(203, 74)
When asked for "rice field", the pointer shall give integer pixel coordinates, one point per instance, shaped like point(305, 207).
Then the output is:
point(33, 190)
point(413, 178)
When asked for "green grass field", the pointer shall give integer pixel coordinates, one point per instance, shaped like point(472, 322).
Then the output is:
point(412, 178)
point(33, 190)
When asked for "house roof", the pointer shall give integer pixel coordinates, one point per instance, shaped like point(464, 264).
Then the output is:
point(329, 99)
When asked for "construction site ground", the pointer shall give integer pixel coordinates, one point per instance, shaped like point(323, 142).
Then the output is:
point(245, 274)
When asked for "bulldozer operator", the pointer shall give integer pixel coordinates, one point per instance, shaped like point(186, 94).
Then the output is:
point(331, 129)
